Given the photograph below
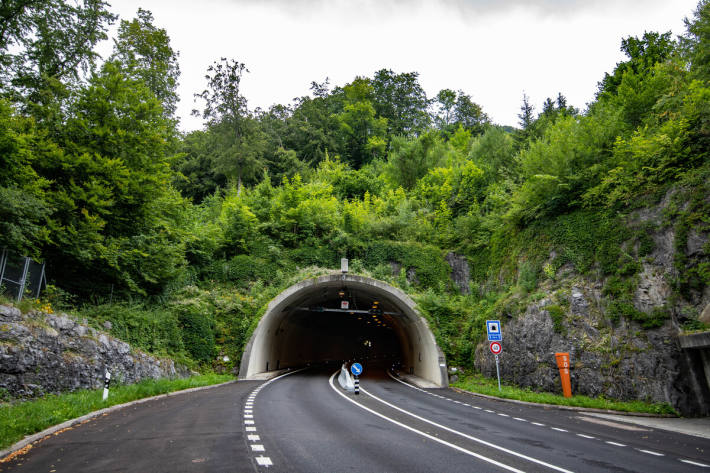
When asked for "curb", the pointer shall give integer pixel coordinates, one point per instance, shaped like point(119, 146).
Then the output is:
point(8, 453)
point(567, 408)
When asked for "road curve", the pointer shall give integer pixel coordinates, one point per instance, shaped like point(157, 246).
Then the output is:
point(303, 422)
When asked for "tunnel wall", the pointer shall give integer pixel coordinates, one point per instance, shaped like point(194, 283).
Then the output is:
point(421, 354)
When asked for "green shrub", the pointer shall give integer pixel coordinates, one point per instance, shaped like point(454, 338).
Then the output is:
point(198, 334)
point(626, 309)
point(527, 277)
point(557, 314)
point(153, 329)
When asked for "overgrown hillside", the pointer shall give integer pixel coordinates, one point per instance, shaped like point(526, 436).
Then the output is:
point(181, 239)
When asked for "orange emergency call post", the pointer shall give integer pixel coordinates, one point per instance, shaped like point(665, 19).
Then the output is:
point(563, 365)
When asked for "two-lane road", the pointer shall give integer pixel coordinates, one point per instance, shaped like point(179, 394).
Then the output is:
point(304, 422)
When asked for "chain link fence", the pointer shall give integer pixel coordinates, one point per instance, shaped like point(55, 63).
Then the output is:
point(20, 276)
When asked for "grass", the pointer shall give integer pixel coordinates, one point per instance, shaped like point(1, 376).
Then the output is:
point(479, 384)
point(19, 419)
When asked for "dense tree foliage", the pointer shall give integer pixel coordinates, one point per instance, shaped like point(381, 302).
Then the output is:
point(95, 180)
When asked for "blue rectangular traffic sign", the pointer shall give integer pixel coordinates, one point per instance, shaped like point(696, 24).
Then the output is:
point(494, 332)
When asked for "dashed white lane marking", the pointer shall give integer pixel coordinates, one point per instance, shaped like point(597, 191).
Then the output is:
point(616, 444)
point(423, 434)
point(650, 452)
point(261, 460)
point(461, 434)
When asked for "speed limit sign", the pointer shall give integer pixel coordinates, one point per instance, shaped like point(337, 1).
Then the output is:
point(496, 348)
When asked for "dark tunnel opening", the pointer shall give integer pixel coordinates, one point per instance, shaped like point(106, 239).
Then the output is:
point(340, 318)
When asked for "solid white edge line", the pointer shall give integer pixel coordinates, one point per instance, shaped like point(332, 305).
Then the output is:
point(690, 462)
point(419, 432)
point(470, 437)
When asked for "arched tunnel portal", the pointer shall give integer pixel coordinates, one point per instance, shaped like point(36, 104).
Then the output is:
point(342, 317)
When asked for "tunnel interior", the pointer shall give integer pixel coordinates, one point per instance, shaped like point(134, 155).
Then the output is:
point(340, 318)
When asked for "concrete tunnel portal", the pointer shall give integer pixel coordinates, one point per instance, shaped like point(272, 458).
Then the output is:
point(308, 324)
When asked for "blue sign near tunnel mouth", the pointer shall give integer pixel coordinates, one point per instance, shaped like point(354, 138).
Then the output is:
point(356, 369)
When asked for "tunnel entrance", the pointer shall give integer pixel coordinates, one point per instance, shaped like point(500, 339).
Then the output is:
point(342, 317)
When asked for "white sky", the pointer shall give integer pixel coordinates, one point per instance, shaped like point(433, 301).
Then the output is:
point(493, 50)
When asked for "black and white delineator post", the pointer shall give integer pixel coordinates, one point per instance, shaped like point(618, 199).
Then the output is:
point(107, 380)
point(356, 370)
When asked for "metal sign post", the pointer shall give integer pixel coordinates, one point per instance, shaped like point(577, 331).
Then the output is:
point(498, 373)
point(495, 337)
point(496, 349)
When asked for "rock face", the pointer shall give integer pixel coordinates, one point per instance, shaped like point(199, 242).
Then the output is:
point(617, 359)
point(460, 271)
point(45, 353)
point(619, 362)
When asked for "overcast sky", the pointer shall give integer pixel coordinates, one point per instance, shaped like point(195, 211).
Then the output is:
point(493, 50)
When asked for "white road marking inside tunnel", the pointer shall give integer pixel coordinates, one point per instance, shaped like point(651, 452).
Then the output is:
point(503, 415)
point(476, 407)
point(251, 429)
point(264, 461)
point(616, 444)
point(448, 429)
point(423, 434)
point(255, 447)
point(253, 438)
point(585, 436)
point(538, 424)
point(689, 462)
point(490, 411)
point(521, 420)
point(651, 453)
point(558, 429)
point(248, 416)
point(248, 422)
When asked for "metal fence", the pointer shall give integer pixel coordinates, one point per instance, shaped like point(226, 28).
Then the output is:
point(20, 276)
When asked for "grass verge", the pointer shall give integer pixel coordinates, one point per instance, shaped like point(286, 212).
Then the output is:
point(482, 385)
point(19, 419)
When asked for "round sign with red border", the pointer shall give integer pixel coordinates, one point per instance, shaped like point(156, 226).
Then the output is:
point(496, 348)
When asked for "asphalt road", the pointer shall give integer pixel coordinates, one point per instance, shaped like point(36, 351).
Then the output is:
point(304, 422)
